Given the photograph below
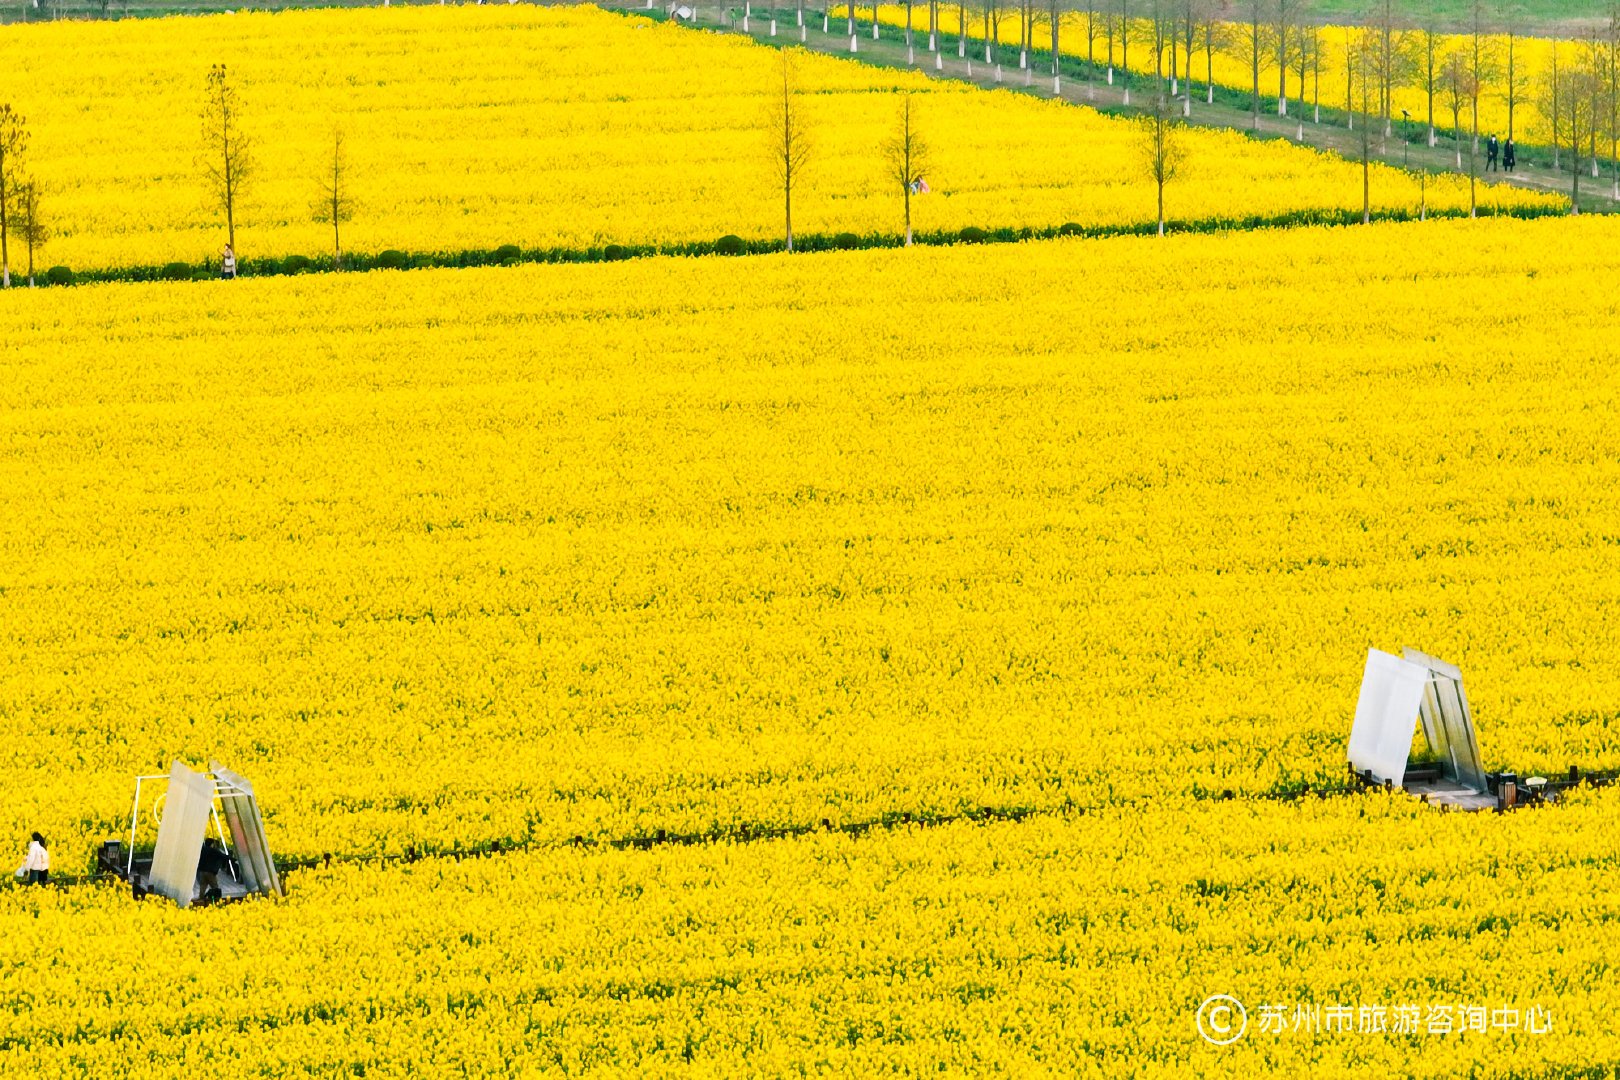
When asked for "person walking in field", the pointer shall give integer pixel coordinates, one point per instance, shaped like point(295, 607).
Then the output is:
point(36, 868)
point(1510, 156)
point(1492, 148)
point(227, 264)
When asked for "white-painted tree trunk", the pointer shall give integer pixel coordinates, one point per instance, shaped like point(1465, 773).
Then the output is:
point(1023, 58)
point(987, 52)
point(1209, 92)
point(1433, 138)
point(803, 32)
point(1282, 106)
point(939, 62)
point(1301, 136)
point(1127, 95)
point(854, 43)
point(1175, 86)
point(801, 16)
point(874, 31)
point(998, 73)
point(1029, 76)
point(1057, 89)
point(748, 12)
point(1186, 106)
point(773, 28)
point(911, 55)
point(961, 47)
point(1318, 118)
point(1110, 74)
point(824, 20)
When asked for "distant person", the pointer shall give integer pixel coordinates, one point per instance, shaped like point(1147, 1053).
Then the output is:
point(227, 264)
point(209, 864)
point(1510, 155)
point(36, 868)
point(1492, 149)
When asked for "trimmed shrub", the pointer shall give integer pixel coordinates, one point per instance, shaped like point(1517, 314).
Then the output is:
point(392, 260)
point(973, 235)
point(730, 244)
point(263, 267)
point(615, 253)
point(1069, 228)
point(176, 271)
point(59, 275)
point(508, 253)
point(846, 241)
point(202, 273)
point(296, 264)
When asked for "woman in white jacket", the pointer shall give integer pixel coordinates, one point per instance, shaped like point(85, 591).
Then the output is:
point(36, 869)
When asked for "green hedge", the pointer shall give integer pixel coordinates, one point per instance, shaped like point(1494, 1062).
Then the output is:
point(736, 245)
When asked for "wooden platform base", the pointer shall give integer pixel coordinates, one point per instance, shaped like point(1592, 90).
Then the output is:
point(1450, 794)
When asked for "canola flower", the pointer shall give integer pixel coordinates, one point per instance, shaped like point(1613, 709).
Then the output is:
point(1076, 946)
point(443, 557)
point(473, 127)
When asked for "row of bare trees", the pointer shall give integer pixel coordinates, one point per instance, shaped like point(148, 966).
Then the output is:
point(905, 152)
point(228, 164)
point(225, 160)
point(1396, 46)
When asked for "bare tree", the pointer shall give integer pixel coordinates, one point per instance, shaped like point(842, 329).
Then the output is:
point(335, 206)
point(1515, 80)
point(13, 147)
point(1308, 61)
point(227, 157)
point(1482, 68)
point(1456, 80)
point(1213, 37)
point(1163, 150)
point(1361, 65)
point(1110, 28)
point(1552, 84)
point(906, 154)
point(1429, 45)
point(1250, 46)
point(1094, 30)
point(788, 138)
point(31, 227)
point(1285, 17)
point(1580, 99)
point(1395, 56)
point(1057, 52)
point(1126, 32)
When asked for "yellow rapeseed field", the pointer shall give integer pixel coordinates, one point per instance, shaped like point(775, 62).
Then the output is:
point(1355, 931)
point(475, 127)
point(700, 545)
